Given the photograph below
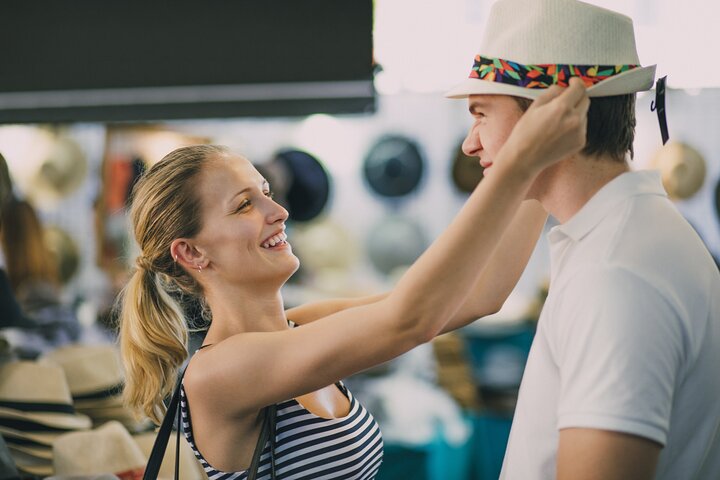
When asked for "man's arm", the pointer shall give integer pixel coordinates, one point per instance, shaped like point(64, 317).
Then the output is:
point(591, 454)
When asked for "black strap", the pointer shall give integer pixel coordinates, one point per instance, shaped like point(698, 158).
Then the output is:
point(157, 454)
point(659, 106)
point(267, 432)
point(158, 451)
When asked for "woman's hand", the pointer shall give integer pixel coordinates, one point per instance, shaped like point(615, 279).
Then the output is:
point(553, 128)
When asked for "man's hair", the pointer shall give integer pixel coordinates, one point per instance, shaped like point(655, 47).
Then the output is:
point(611, 125)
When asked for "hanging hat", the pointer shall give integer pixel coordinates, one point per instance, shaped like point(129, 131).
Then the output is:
point(394, 166)
point(94, 373)
point(682, 169)
point(300, 182)
point(396, 241)
point(466, 171)
point(323, 244)
point(529, 46)
point(59, 173)
point(108, 449)
point(37, 393)
point(64, 250)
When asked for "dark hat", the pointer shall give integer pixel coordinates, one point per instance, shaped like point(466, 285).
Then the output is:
point(300, 181)
point(394, 166)
point(466, 171)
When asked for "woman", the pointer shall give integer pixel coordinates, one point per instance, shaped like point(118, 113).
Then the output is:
point(207, 226)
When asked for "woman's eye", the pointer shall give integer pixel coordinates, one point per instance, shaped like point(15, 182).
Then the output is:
point(243, 206)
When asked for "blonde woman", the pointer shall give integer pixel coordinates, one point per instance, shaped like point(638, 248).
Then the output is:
point(207, 226)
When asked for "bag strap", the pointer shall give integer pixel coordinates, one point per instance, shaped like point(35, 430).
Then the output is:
point(267, 432)
point(158, 451)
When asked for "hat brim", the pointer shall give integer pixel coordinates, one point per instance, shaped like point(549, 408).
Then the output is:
point(635, 80)
point(41, 438)
point(76, 421)
point(38, 452)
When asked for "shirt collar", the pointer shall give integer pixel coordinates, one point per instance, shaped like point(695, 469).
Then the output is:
point(606, 200)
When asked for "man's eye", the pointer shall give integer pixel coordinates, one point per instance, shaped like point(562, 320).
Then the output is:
point(270, 194)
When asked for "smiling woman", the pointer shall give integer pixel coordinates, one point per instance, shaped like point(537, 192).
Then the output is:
point(208, 227)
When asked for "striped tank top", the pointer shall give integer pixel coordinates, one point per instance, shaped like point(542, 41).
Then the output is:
point(310, 447)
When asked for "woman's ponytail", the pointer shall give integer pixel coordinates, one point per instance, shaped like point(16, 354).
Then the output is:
point(153, 343)
point(153, 329)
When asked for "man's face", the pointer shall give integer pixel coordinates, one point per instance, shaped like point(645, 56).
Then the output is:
point(494, 117)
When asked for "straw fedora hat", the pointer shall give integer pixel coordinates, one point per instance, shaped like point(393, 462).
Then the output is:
point(38, 393)
point(94, 373)
point(108, 449)
point(529, 46)
point(31, 464)
point(40, 439)
point(41, 453)
point(682, 169)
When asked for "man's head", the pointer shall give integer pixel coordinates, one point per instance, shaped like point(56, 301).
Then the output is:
point(529, 46)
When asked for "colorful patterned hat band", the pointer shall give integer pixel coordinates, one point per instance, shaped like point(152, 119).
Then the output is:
point(541, 76)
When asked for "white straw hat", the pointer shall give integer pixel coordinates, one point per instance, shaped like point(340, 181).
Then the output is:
point(37, 393)
point(528, 46)
point(93, 372)
point(108, 449)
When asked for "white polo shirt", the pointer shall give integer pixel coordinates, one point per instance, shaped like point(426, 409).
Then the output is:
point(629, 337)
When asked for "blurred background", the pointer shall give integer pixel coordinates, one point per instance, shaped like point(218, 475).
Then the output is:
point(340, 105)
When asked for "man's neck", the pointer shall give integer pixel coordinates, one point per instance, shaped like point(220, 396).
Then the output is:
point(564, 188)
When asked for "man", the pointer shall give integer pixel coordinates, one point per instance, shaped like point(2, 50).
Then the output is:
point(622, 379)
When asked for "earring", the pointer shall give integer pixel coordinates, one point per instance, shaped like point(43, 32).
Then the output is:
point(199, 267)
point(176, 258)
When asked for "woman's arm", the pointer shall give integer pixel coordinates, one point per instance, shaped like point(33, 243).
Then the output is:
point(490, 291)
point(296, 361)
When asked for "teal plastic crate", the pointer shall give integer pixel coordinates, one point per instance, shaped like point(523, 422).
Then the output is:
point(490, 437)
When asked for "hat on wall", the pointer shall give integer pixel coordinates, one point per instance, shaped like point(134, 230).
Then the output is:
point(396, 241)
point(108, 449)
point(394, 166)
point(682, 169)
point(466, 171)
point(529, 46)
point(300, 181)
point(38, 394)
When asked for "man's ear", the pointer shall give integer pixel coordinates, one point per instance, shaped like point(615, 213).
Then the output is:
point(186, 254)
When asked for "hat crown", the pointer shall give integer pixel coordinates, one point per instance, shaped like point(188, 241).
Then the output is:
point(535, 32)
point(33, 382)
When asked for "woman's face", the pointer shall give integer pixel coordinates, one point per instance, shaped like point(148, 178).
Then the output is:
point(243, 233)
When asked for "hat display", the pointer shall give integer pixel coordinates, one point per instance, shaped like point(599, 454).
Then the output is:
point(108, 449)
point(300, 182)
point(466, 171)
point(59, 173)
point(94, 372)
point(64, 250)
point(394, 166)
point(528, 46)
point(396, 241)
point(37, 396)
point(323, 244)
point(31, 464)
point(682, 169)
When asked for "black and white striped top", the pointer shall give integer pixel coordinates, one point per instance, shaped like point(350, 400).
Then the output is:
point(311, 447)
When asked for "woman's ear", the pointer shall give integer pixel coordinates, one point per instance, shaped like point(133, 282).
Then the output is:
point(185, 254)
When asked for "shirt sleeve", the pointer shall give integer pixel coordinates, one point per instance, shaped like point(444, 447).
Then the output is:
point(620, 350)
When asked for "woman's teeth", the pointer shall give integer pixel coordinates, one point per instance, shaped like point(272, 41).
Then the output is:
point(275, 240)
